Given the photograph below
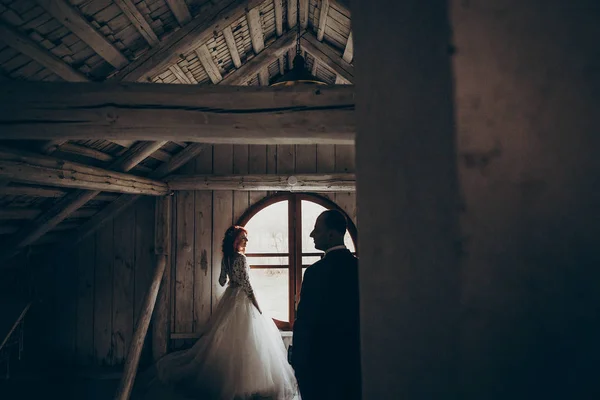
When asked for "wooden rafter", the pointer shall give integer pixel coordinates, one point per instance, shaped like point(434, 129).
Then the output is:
point(345, 182)
point(20, 166)
point(278, 48)
point(322, 19)
point(181, 76)
point(213, 18)
point(209, 64)
point(25, 45)
point(327, 56)
point(349, 49)
point(278, 9)
point(71, 18)
point(263, 76)
point(208, 114)
point(255, 29)
point(291, 13)
point(303, 13)
point(180, 10)
point(138, 21)
point(232, 47)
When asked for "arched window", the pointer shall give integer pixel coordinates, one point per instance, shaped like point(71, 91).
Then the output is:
point(280, 249)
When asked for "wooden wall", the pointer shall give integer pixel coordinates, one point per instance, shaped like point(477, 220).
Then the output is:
point(94, 293)
point(197, 254)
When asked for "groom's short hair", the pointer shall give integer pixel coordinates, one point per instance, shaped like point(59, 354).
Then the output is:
point(335, 220)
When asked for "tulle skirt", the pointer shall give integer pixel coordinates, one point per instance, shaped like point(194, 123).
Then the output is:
point(239, 355)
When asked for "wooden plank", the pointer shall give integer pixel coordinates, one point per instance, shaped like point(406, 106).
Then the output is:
point(103, 286)
point(349, 49)
point(181, 76)
point(222, 214)
point(123, 285)
point(306, 159)
point(230, 41)
point(255, 30)
point(71, 18)
point(138, 21)
point(184, 262)
point(161, 326)
point(326, 163)
point(213, 18)
point(180, 10)
point(337, 182)
point(344, 163)
point(278, 9)
point(85, 151)
point(323, 12)
point(25, 45)
point(327, 56)
point(31, 168)
point(257, 164)
point(263, 77)
point(209, 64)
point(278, 48)
point(240, 167)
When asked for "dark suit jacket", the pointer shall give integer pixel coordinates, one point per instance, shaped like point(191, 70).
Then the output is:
point(326, 341)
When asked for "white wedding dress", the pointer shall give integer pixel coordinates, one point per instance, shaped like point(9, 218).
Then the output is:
point(240, 353)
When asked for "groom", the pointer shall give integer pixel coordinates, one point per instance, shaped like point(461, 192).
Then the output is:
point(326, 342)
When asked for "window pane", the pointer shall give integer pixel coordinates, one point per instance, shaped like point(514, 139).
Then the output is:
point(310, 212)
point(268, 230)
point(309, 260)
point(283, 260)
point(271, 287)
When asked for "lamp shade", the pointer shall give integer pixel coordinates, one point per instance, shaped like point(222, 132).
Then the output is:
point(298, 75)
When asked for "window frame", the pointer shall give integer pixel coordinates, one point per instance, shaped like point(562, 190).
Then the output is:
point(294, 241)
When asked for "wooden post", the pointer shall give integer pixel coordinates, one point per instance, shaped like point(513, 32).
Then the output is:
point(162, 236)
point(409, 267)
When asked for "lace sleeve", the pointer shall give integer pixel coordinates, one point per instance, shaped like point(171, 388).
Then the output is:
point(240, 270)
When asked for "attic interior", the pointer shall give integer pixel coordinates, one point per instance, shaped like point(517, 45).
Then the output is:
point(134, 132)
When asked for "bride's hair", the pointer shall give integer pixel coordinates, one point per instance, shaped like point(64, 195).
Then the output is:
point(232, 233)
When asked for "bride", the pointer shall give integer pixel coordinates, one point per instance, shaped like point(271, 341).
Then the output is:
point(240, 353)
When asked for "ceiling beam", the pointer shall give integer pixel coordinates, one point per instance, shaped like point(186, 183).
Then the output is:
point(322, 19)
point(209, 64)
point(194, 113)
point(303, 13)
point(20, 166)
point(213, 17)
point(138, 21)
point(291, 13)
point(180, 10)
point(249, 70)
point(180, 75)
point(230, 41)
point(349, 49)
point(327, 56)
point(71, 18)
point(278, 9)
point(255, 29)
point(344, 182)
point(11, 37)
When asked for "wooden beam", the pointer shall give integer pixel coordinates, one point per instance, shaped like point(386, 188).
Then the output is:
point(263, 76)
point(25, 45)
point(344, 182)
point(85, 151)
point(303, 13)
point(137, 342)
point(278, 48)
point(51, 146)
point(27, 167)
point(255, 29)
point(180, 10)
point(209, 114)
point(209, 64)
point(281, 64)
point(162, 247)
point(124, 201)
point(327, 56)
point(72, 19)
point(30, 213)
point(212, 18)
point(138, 20)
point(349, 49)
point(291, 13)
point(34, 191)
point(230, 41)
point(278, 9)
point(322, 19)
